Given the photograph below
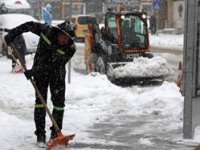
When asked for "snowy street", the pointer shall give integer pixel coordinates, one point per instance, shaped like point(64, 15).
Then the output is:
point(118, 69)
point(102, 115)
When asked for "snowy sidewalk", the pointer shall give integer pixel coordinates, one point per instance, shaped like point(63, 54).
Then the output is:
point(167, 41)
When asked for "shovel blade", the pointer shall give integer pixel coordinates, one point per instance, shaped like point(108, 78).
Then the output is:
point(60, 140)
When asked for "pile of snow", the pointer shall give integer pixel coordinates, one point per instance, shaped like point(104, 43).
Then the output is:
point(144, 67)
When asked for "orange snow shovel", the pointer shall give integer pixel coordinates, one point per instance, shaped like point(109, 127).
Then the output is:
point(60, 140)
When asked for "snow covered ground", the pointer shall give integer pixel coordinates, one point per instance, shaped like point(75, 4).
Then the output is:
point(101, 114)
point(167, 41)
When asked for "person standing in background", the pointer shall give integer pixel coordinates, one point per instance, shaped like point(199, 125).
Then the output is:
point(20, 45)
point(46, 14)
point(153, 26)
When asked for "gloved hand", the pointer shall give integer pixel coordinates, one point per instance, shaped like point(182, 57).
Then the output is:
point(28, 73)
point(8, 39)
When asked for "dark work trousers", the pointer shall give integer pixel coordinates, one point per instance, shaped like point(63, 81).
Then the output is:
point(55, 79)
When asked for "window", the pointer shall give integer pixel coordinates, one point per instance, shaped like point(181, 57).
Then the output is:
point(133, 32)
point(112, 26)
point(86, 20)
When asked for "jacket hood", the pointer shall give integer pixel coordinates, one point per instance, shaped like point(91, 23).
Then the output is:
point(67, 27)
point(48, 7)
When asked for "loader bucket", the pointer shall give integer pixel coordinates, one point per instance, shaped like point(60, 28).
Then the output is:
point(142, 81)
point(59, 141)
point(131, 80)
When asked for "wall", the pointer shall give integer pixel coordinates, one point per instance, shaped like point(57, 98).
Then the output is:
point(93, 6)
point(178, 14)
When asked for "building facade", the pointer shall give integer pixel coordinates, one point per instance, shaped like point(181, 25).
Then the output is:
point(61, 8)
point(176, 14)
point(169, 13)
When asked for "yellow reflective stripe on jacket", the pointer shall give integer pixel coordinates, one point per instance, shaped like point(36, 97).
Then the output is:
point(58, 108)
point(39, 106)
point(60, 52)
point(45, 39)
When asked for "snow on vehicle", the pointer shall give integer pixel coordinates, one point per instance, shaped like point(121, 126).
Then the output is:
point(121, 48)
point(9, 21)
point(15, 6)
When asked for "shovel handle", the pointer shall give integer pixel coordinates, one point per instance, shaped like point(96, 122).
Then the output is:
point(16, 57)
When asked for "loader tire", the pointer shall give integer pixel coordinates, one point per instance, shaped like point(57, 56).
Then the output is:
point(148, 55)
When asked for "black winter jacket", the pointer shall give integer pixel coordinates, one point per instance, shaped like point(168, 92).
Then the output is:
point(49, 55)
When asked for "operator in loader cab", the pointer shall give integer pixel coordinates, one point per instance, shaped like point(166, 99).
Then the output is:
point(56, 47)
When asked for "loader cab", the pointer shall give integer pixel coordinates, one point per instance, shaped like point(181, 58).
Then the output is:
point(129, 30)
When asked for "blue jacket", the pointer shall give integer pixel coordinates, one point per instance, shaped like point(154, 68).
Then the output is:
point(46, 14)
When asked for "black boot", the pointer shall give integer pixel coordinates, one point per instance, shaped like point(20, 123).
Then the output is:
point(41, 138)
point(39, 117)
point(58, 116)
point(53, 133)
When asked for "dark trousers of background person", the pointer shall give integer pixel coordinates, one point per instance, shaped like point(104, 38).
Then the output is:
point(20, 46)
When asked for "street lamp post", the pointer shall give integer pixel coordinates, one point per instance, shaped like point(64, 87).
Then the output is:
point(69, 63)
point(191, 68)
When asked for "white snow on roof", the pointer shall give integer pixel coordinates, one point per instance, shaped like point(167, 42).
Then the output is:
point(144, 67)
point(17, 4)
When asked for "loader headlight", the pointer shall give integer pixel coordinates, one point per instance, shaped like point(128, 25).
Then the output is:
point(144, 16)
point(122, 17)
